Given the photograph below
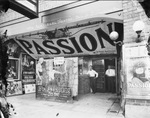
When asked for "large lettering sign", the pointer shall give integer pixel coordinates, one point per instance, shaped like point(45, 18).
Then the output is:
point(87, 40)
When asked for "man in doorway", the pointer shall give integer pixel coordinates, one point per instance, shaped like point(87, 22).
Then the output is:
point(110, 73)
point(92, 75)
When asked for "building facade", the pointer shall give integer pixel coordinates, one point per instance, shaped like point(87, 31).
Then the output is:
point(70, 36)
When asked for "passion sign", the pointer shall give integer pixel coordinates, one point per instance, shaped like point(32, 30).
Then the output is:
point(88, 40)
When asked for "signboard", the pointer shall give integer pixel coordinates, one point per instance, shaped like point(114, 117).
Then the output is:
point(137, 68)
point(88, 40)
point(29, 88)
point(59, 82)
point(28, 8)
point(58, 60)
point(57, 94)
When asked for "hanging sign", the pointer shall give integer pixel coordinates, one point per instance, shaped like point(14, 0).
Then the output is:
point(87, 40)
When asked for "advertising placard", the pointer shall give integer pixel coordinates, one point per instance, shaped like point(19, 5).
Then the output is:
point(58, 60)
point(29, 88)
point(28, 69)
point(137, 68)
point(57, 81)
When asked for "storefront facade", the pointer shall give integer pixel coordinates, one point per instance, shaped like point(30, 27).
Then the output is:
point(79, 46)
point(69, 38)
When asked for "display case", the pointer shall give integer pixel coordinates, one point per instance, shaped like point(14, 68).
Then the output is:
point(13, 69)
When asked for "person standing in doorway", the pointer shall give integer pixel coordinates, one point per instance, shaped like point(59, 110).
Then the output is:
point(110, 73)
point(92, 75)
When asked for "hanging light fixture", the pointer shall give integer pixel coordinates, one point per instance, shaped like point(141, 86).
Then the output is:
point(114, 36)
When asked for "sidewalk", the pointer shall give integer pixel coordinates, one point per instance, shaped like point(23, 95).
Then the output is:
point(88, 106)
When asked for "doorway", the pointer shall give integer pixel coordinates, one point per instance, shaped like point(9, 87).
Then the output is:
point(102, 82)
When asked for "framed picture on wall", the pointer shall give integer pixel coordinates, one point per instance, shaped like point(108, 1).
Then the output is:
point(13, 69)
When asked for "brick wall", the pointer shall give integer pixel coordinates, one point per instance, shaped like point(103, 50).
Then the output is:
point(133, 11)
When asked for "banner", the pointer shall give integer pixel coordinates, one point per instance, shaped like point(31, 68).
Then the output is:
point(84, 40)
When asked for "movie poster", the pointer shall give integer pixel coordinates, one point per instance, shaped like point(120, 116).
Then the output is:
point(138, 71)
point(28, 73)
point(28, 69)
point(59, 80)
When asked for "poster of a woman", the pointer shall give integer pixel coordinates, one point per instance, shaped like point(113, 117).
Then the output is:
point(139, 73)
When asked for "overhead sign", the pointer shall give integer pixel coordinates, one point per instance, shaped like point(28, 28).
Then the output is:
point(87, 40)
point(28, 8)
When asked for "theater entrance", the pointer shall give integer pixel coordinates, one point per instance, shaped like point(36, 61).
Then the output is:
point(100, 65)
point(104, 83)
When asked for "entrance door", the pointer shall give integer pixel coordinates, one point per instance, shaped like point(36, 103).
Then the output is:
point(110, 85)
point(99, 67)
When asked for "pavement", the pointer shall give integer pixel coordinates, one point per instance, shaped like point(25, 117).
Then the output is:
point(99, 105)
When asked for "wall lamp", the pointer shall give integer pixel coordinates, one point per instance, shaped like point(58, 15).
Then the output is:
point(138, 26)
point(114, 36)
